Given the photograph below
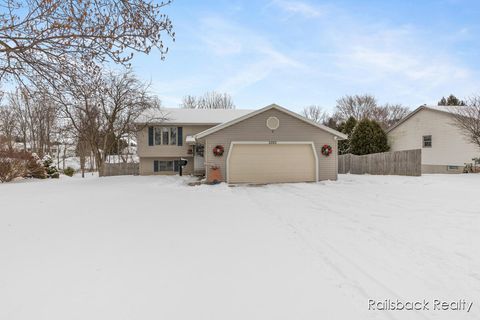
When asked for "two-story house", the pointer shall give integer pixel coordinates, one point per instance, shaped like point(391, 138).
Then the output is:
point(445, 148)
point(268, 145)
point(167, 138)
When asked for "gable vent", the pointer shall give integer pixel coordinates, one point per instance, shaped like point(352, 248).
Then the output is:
point(273, 123)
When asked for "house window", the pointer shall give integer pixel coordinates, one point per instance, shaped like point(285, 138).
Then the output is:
point(165, 165)
point(158, 136)
point(427, 141)
point(165, 136)
point(173, 135)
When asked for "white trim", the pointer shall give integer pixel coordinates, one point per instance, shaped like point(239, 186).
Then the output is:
point(272, 106)
point(232, 143)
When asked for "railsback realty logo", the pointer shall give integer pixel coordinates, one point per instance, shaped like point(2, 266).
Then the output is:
point(460, 305)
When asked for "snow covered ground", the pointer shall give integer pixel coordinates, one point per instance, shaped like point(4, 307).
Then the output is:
point(155, 248)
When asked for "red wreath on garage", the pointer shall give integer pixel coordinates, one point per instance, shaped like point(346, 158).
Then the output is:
point(218, 151)
point(326, 150)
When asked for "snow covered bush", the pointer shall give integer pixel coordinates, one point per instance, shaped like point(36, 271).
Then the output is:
point(52, 171)
point(16, 164)
point(12, 164)
point(35, 167)
point(69, 171)
point(11, 168)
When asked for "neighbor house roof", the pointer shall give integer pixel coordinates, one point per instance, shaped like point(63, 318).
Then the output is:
point(444, 109)
point(191, 116)
point(272, 106)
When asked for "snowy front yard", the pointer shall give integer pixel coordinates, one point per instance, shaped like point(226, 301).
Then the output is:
point(155, 248)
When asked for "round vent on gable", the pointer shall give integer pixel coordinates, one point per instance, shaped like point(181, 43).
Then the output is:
point(273, 123)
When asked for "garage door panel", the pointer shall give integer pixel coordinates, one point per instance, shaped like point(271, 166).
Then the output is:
point(271, 163)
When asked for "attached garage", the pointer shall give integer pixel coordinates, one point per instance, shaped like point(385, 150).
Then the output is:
point(264, 162)
point(270, 145)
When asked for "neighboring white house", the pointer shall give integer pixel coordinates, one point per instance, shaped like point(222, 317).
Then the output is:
point(445, 149)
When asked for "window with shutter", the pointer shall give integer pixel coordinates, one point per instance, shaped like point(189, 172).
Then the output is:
point(180, 136)
point(150, 136)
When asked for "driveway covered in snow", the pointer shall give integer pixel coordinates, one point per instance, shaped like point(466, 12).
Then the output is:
point(155, 248)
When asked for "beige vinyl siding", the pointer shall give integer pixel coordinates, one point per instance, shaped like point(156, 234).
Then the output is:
point(449, 145)
point(144, 150)
point(146, 166)
point(290, 129)
point(271, 163)
point(148, 154)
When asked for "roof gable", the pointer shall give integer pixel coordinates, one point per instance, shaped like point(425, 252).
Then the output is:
point(444, 109)
point(259, 111)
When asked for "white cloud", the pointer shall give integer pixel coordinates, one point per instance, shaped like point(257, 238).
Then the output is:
point(398, 61)
point(221, 37)
point(256, 71)
point(299, 7)
point(315, 61)
point(253, 59)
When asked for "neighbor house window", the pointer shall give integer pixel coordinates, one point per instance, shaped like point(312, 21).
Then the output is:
point(427, 141)
point(165, 136)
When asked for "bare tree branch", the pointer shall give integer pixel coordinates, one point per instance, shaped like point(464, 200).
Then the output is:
point(210, 100)
point(467, 119)
point(43, 39)
point(315, 113)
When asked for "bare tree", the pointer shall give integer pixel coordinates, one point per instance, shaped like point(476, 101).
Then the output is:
point(33, 119)
point(357, 106)
point(315, 113)
point(366, 107)
point(210, 100)
point(389, 114)
point(43, 39)
point(467, 118)
point(103, 109)
point(189, 102)
point(8, 126)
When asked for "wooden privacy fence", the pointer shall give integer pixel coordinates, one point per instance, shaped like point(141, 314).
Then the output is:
point(403, 163)
point(120, 169)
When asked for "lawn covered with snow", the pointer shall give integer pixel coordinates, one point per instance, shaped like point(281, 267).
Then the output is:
point(156, 248)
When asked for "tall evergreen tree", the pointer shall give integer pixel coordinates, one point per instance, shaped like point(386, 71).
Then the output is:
point(346, 127)
point(451, 100)
point(368, 137)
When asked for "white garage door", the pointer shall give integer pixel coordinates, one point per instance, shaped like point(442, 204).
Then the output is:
point(271, 163)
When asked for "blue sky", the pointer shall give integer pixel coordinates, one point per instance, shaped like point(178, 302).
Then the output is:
point(299, 53)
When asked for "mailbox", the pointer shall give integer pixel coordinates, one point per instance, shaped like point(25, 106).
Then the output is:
point(182, 163)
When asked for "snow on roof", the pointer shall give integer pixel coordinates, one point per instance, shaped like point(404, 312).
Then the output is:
point(192, 116)
point(449, 109)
